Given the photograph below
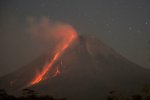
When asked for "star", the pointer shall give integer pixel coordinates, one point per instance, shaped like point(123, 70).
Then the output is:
point(146, 22)
point(130, 28)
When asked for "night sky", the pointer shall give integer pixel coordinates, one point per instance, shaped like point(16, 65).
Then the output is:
point(122, 24)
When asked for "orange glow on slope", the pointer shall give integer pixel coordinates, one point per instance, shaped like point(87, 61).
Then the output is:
point(62, 47)
point(57, 72)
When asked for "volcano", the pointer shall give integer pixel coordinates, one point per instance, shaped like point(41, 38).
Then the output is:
point(87, 70)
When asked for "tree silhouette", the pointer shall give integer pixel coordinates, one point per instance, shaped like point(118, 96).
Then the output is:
point(5, 96)
point(28, 92)
point(3, 92)
point(137, 97)
point(112, 96)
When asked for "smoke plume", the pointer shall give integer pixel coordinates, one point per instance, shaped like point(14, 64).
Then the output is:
point(47, 31)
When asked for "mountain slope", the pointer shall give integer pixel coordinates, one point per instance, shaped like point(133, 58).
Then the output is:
point(88, 70)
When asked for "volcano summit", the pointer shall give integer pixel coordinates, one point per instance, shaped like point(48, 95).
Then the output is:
point(87, 70)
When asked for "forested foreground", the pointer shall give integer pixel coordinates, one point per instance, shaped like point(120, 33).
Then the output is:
point(27, 94)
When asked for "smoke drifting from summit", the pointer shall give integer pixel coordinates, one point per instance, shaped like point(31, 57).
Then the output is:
point(48, 31)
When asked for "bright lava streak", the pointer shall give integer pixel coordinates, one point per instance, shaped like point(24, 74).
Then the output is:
point(48, 67)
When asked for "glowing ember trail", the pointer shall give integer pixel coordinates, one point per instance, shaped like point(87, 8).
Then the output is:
point(62, 47)
point(57, 72)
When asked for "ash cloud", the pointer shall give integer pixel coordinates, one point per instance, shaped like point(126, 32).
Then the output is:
point(48, 31)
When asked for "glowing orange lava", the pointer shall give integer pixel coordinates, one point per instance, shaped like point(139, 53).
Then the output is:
point(62, 47)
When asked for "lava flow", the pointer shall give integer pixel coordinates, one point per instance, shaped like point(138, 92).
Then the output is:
point(60, 49)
